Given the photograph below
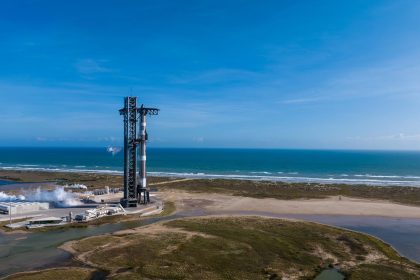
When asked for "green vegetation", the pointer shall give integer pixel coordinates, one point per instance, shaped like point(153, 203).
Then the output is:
point(90, 244)
point(53, 274)
point(383, 272)
point(241, 248)
point(281, 190)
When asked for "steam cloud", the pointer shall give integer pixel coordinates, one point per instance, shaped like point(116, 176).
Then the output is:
point(59, 196)
point(5, 197)
point(76, 186)
point(113, 150)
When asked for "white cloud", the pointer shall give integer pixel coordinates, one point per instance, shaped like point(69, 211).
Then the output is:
point(393, 78)
point(199, 139)
point(90, 66)
point(391, 137)
point(215, 76)
point(301, 100)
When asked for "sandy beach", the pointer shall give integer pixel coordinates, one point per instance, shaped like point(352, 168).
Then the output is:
point(334, 205)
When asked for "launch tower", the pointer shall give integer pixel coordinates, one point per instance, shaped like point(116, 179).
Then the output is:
point(135, 186)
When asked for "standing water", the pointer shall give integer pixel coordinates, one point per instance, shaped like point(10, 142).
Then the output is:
point(330, 274)
point(28, 251)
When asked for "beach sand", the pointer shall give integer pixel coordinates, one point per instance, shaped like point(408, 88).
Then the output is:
point(335, 205)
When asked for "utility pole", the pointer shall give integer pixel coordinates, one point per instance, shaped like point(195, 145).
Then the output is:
point(10, 210)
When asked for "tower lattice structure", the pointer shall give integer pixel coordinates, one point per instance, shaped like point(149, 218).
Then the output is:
point(135, 187)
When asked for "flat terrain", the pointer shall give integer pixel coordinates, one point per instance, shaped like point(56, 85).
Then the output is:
point(240, 248)
point(245, 188)
point(219, 203)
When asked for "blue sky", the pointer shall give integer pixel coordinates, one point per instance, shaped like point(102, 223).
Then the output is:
point(269, 74)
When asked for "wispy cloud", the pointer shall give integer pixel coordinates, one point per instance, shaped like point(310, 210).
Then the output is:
point(198, 139)
point(216, 76)
point(395, 79)
point(301, 100)
point(91, 66)
point(391, 137)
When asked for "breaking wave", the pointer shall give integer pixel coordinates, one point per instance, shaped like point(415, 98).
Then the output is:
point(293, 179)
point(284, 176)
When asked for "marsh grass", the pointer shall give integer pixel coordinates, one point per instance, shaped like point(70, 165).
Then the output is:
point(240, 248)
point(54, 274)
point(383, 272)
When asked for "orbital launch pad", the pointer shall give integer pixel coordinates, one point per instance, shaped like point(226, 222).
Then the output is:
point(135, 186)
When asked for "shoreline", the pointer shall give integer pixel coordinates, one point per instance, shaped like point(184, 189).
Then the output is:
point(370, 180)
point(349, 198)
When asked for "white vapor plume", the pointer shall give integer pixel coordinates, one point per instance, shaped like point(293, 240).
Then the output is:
point(6, 197)
point(58, 196)
point(76, 186)
point(113, 150)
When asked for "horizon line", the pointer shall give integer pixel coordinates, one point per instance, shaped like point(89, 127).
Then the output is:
point(219, 148)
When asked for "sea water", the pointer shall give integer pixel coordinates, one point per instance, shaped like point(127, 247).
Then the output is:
point(322, 166)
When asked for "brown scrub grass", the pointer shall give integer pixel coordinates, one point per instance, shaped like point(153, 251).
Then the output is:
point(68, 273)
point(241, 248)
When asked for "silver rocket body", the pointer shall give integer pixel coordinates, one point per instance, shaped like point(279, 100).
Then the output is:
point(142, 186)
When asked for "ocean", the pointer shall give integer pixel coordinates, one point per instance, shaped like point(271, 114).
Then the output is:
point(400, 168)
